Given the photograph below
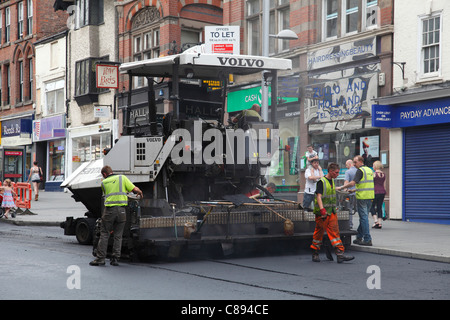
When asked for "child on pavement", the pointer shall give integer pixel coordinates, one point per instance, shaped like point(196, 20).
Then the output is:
point(8, 199)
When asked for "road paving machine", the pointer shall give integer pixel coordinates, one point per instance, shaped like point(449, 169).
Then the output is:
point(193, 169)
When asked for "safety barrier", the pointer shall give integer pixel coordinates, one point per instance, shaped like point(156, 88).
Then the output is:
point(23, 198)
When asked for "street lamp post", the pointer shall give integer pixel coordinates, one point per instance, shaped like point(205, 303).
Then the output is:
point(283, 34)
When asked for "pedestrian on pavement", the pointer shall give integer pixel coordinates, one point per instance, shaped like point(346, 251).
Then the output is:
point(8, 197)
point(379, 181)
point(326, 218)
point(35, 177)
point(312, 174)
point(363, 181)
point(310, 154)
point(115, 188)
point(349, 176)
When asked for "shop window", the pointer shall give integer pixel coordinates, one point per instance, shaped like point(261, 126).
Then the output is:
point(343, 146)
point(89, 148)
point(56, 160)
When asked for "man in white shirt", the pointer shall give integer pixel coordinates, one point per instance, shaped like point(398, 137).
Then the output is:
point(312, 175)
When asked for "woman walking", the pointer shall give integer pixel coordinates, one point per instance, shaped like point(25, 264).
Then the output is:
point(35, 177)
point(379, 180)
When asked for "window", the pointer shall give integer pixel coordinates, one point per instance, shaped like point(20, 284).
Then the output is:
point(145, 38)
point(278, 20)
point(30, 16)
point(331, 17)
point(20, 94)
point(89, 12)
point(56, 151)
point(85, 82)
point(54, 98)
point(351, 16)
point(8, 85)
point(1, 27)
point(431, 38)
point(89, 148)
point(7, 24)
point(19, 20)
point(371, 13)
point(30, 77)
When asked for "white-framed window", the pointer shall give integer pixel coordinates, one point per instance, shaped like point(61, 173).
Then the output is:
point(430, 54)
point(20, 20)
point(54, 98)
point(371, 18)
point(278, 20)
point(30, 16)
point(350, 16)
point(331, 19)
point(7, 24)
point(145, 46)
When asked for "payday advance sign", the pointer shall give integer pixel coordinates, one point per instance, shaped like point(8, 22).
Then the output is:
point(410, 115)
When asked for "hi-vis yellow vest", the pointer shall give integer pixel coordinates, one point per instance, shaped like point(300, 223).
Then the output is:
point(365, 189)
point(328, 197)
point(115, 191)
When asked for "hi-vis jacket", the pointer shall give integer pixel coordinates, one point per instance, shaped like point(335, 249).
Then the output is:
point(115, 188)
point(365, 189)
point(328, 197)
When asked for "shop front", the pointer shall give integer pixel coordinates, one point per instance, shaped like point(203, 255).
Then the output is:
point(16, 149)
point(285, 165)
point(87, 143)
point(49, 136)
point(419, 126)
point(342, 81)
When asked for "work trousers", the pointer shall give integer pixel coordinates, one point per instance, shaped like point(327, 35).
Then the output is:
point(330, 225)
point(113, 220)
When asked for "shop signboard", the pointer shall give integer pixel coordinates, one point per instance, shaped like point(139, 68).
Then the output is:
point(342, 53)
point(16, 132)
point(341, 95)
point(243, 99)
point(49, 128)
point(107, 76)
point(419, 113)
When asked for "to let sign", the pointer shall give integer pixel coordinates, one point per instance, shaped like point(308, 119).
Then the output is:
point(222, 39)
point(107, 76)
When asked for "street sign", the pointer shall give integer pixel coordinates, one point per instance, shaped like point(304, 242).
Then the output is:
point(101, 112)
point(222, 39)
point(107, 76)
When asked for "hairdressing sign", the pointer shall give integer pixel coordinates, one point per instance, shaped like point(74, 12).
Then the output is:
point(342, 53)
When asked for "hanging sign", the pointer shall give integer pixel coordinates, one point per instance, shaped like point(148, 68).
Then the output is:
point(107, 76)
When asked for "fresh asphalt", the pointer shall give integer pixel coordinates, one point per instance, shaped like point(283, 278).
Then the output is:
point(426, 241)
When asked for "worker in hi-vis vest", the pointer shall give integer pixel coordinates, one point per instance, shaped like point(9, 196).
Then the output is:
point(326, 218)
point(115, 188)
point(365, 192)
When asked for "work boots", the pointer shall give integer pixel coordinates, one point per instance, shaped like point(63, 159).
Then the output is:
point(341, 257)
point(315, 256)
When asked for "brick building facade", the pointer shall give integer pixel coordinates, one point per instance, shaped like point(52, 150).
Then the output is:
point(22, 24)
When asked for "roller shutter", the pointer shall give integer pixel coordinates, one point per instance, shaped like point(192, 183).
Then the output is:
point(426, 181)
